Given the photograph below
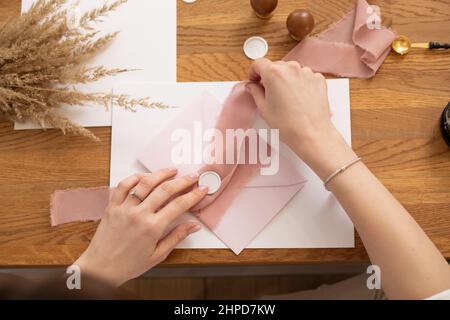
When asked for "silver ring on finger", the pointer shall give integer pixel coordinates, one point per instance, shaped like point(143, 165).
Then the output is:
point(134, 193)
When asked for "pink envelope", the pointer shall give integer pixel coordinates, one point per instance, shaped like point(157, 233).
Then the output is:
point(249, 200)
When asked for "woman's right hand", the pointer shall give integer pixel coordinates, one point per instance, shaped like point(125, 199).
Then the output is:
point(294, 100)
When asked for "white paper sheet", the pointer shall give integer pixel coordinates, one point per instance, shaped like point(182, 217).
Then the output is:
point(313, 219)
point(147, 41)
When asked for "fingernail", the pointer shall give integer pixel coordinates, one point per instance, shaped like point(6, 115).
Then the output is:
point(173, 170)
point(195, 229)
point(194, 175)
point(203, 188)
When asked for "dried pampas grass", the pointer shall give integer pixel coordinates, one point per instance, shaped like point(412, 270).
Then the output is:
point(42, 56)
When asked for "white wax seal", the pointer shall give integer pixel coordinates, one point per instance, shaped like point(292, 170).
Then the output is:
point(189, 1)
point(211, 180)
point(256, 47)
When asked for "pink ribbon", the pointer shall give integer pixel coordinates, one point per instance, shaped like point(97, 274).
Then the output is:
point(355, 47)
point(78, 205)
point(238, 112)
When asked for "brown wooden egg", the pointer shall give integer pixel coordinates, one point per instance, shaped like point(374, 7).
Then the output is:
point(264, 8)
point(300, 23)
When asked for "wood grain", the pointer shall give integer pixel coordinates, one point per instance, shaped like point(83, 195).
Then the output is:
point(395, 119)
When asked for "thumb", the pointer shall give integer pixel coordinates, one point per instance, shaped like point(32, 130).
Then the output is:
point(169, 242)
point(258, 93)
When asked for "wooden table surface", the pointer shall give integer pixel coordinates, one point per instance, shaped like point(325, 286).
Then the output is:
point(395, 128)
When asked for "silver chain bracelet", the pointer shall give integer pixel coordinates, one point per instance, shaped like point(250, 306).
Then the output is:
point(339, 171)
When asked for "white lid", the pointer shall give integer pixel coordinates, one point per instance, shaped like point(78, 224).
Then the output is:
point(256, 47)
point(211, 180)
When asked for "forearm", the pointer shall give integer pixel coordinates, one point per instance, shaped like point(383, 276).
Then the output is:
point(411, 266)
point(294, 99)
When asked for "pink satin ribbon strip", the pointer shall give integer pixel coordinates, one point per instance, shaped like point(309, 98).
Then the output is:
point(238, 112)
point(348, 48)
point(78, 205)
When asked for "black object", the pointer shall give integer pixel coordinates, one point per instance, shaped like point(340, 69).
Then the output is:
point(445, 124)
point(439, 45)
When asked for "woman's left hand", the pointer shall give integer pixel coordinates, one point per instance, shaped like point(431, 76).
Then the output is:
point(131, 236)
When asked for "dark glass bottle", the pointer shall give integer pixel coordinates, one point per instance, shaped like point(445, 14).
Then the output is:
point(445, 124)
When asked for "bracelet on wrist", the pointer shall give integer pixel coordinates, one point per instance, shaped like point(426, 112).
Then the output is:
point(339, 171)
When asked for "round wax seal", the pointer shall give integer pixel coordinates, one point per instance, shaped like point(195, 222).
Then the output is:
point(211, 180)
point(300, 23)
point(264, 8)
point(189, 1)
point(256, 47)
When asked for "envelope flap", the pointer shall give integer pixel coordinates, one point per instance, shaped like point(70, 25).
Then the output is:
point(287, 174)
point(158, 153)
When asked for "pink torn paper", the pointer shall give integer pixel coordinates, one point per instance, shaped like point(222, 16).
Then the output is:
point(353, 47)
point(78, 205)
